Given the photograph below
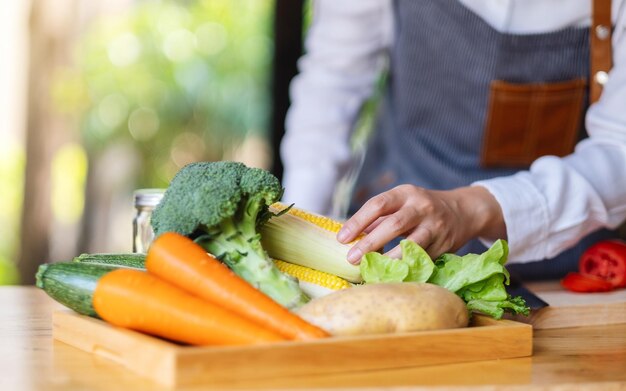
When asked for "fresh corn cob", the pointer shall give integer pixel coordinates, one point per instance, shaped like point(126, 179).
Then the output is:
point(313, 282)
point(307, 239)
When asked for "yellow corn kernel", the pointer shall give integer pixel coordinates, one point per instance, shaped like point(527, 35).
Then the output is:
point(312, 276)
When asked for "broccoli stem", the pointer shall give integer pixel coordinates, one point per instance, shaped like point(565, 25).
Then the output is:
point(248, 224)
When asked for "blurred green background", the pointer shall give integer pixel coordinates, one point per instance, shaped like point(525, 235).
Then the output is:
point(120, 98)
point(180, 81)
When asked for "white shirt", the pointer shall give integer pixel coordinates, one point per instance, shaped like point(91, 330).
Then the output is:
point(547, 209)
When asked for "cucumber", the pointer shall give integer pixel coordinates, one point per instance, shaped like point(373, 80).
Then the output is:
point(134, 260)
point(72, 284)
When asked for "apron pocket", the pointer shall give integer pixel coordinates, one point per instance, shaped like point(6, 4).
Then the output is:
point(527, 121)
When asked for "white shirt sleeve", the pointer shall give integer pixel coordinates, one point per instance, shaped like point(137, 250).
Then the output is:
point(345, 51)
point(549, 208)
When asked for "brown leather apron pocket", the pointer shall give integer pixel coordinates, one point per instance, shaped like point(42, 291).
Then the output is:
point(527, 121)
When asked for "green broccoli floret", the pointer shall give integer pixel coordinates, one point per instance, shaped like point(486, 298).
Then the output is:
point(221, 205)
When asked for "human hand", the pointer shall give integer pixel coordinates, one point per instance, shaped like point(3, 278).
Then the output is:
point(439, 221)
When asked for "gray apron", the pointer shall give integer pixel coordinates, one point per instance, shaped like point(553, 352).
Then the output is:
point(431, 122)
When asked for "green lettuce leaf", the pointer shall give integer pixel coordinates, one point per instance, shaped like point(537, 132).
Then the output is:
point(420, 265)
point(376, 268)
point(496, 309)
point(491, 289)
point(455, 272)
point(415, 265)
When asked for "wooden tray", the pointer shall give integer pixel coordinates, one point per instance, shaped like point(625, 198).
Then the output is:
point(170, 364)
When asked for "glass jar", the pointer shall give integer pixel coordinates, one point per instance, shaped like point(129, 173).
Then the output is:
point(145, 202)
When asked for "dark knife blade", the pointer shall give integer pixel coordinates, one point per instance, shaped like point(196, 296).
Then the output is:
point(516, 288)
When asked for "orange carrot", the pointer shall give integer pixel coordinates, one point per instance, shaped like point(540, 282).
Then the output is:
point(180, 261)
point(137, 300)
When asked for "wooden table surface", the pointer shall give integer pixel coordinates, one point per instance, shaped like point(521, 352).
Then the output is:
point(589, 358)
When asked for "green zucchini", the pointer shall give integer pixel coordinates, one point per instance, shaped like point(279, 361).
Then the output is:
point(72, 284)
point(134, 260)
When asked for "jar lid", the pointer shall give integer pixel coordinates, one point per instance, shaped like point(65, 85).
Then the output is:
point(148, 197)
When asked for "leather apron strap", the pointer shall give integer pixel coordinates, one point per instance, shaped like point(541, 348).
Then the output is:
point(601, 62)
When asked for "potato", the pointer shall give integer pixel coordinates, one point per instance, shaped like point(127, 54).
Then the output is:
point(386, 308)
